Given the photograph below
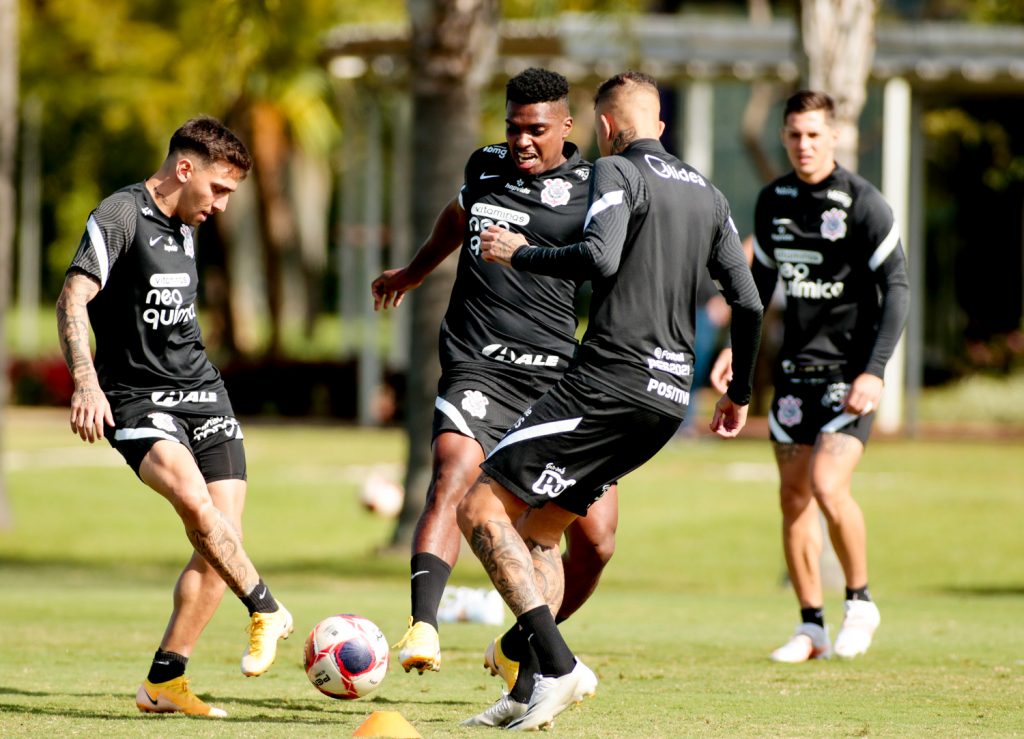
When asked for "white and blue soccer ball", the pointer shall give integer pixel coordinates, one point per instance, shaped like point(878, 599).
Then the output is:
point(346, 656)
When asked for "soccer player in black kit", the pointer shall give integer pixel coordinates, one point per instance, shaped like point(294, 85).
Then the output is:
point(154, 395)
point(653, 225)
point(505, 339)
point(831, 237)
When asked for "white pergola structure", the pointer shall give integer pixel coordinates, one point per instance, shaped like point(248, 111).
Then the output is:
point(693, 52)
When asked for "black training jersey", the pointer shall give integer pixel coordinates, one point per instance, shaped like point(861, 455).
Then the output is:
point(837, 249)
point(149, 350)
point(527, 322)
point(653, 226)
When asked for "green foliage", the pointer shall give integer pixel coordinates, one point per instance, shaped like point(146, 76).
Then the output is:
point(116, 77)
point(678, 632)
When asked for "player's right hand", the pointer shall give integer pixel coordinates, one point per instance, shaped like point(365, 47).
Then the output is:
point(89, 410)
point(721, 371)
point(390, 288)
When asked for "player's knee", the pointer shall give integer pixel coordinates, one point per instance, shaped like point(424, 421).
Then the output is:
point(470, 512)
point(794, 500)
point(195, 508)
point(831, 499)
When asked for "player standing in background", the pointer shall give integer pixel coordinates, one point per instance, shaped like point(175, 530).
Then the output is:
point(154, 395)
point(831, 236)
point(506, 338)
point(653, 225)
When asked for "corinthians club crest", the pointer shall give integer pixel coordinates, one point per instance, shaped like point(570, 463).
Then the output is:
point(833, 224)
point(790, 413)
point(555, 192)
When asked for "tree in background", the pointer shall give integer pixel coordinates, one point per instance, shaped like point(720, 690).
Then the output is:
point(8, 141)
point(838, 42)
point(452, 54)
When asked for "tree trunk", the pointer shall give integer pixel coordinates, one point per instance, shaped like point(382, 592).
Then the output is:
point(763, 94)
point(8, 149)
point(452, 52)
point(270, 152)
point(838, 41)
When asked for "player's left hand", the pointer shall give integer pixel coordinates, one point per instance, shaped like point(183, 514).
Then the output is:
point(865, 392)
point(729, 418)
point(498, 245)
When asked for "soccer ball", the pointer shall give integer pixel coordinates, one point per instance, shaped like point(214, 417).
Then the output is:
point(346, 656)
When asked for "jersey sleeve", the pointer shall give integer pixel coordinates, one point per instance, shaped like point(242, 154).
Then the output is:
point(727, 265)
point(764, 267)
point(887, 262)
point(109, 232)
point(616, 190)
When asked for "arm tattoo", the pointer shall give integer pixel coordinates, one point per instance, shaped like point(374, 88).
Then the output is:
point(507, 561)
point(222, 548)
point(623, 139)
point(73, 329)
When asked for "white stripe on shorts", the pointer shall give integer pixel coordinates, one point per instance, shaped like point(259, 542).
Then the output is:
point(777, 431)
point(453, 413)
point(541, 429)
point(130, 434)
point(843, 419)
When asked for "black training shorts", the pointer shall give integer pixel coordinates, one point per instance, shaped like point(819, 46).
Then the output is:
point(573, 443)
point(482, 404)
point(215, 441)
point(807, 405)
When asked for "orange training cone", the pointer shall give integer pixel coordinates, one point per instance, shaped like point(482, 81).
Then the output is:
point(387, 725)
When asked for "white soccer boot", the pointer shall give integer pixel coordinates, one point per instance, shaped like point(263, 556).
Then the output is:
point(502, 713)
point(809, 642)
point(552, 695)
point(860, 621)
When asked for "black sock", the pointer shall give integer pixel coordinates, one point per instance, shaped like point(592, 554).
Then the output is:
point(260, 600)
point(813, 616)
point(528, 667)
point(553, 655)
point(166, 666)
point(858, 593)
point(514, 644)
point(429, 576)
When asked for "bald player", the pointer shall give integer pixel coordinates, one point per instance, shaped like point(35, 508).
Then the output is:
point(653, 224)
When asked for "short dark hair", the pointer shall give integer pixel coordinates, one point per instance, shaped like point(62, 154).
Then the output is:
point(211, 140)
point(535, 85)
point(622, 79)
point(805, 101)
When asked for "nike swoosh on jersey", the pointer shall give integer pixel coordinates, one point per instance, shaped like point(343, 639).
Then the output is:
point(421, 572)
point(155, 239)
point(485, 176)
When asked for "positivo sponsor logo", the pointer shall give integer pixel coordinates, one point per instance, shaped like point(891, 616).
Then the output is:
point(668, 391)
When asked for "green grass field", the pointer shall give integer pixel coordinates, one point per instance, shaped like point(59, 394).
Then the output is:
point(679, 631)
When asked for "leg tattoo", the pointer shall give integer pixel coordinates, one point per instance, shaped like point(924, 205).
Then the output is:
point(222, 548)
point(507, 561)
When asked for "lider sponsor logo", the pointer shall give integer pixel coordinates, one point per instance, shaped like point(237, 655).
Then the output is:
point(670, 172)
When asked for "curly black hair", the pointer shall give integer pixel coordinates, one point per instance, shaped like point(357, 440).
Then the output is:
point(535, 85)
